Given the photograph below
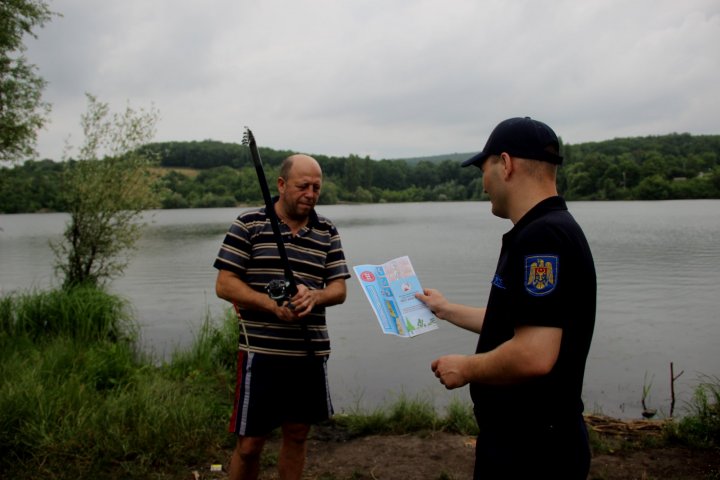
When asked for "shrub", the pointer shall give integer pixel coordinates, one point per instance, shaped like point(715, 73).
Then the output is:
point(701, 427)
point(83, 313)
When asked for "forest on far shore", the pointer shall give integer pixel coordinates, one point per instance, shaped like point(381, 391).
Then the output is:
point(202, 174)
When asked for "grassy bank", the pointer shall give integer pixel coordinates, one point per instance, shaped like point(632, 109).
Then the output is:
point(79, 400)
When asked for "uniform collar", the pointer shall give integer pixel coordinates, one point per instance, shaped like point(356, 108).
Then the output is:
point(550, 204)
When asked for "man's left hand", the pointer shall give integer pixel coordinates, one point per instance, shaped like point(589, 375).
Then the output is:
point(304, 301)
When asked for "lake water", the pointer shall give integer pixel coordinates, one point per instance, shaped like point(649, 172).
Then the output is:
point(658, 291)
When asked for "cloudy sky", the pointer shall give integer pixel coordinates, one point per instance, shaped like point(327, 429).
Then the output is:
point(384, 78)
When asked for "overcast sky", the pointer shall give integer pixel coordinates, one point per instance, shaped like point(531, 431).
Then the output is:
point(384, 78)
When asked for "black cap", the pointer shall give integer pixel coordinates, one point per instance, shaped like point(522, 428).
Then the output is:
point(520, 137)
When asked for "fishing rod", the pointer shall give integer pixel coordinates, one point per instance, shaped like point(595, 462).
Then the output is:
point(279, 289)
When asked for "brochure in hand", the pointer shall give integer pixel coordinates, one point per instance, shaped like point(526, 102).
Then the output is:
point(390, 288)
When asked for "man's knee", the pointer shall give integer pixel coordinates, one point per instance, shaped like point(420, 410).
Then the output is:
point(250, 448)
point(295, 432)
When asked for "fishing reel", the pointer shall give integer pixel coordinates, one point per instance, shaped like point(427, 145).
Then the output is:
point(277, 290)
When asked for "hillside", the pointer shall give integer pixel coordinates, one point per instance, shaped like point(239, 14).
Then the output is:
point(215, 174)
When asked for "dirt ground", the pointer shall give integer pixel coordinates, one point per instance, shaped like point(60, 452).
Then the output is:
point(445, 456)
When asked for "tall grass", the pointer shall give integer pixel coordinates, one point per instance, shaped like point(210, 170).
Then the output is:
point(78, 399)
point(83, 313)
point(700, 428)
point(59, 409)
point(406, 415)
point(214, 351)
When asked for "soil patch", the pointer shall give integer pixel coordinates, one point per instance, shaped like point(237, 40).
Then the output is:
point(444, 456)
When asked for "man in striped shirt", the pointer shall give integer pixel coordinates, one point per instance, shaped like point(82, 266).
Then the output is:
point(283, 352)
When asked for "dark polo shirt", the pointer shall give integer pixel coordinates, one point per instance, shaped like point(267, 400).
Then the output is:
point(545, 277)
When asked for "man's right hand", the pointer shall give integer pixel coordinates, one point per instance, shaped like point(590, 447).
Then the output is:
point(285, 313)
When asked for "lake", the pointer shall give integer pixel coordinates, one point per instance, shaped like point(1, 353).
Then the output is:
point(658, 290)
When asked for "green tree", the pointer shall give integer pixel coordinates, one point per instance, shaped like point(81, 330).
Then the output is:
point(328, 193)
point(630, 171)
point(715, 180)
point(391, 175)
point(425, 174)
point(353, 172)
point(106, 190)
point(30, 187)
point(22, 110)
point(654, 187)
point(579, 183)
point(174, 190)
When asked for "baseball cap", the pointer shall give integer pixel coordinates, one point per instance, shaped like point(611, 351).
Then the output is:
point(520, 137)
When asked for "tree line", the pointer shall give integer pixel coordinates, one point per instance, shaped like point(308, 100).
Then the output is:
point(210, 173)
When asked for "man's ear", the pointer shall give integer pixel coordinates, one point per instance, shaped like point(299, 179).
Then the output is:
point(508, 165)
point(281, 184)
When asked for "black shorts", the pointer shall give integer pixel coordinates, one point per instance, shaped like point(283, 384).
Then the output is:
point(272, 390)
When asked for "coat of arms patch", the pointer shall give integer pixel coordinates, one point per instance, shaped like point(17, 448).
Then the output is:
point(541, 273)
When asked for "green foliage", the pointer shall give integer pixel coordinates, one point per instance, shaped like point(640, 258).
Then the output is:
point(209, 154)
point(664, 167)
point(32, 187)
point(62, 417)
point(22, 111)
point(105, 198)
point(460, 418)
point(653, 188)
point(90, 406)
point(82, 313)
point(406, 415)
point(611, 170)
point(360, 423)
point(213, 353)
point(200, 155)
point(701, 427)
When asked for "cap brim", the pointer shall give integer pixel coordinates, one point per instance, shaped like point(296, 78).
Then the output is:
point(477, 160)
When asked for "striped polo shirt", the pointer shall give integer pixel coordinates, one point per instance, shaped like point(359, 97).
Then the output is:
point(316, 258)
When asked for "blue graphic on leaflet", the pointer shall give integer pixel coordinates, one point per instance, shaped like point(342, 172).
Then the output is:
point(390, 289)
point(383, 309)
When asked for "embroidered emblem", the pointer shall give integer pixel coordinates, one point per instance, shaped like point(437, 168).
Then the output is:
point(498, 281)
point(541, 272)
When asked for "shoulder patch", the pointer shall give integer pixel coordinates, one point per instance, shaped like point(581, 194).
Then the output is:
point(541, 274)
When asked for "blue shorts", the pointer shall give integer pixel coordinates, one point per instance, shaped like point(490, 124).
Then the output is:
point(272, 390)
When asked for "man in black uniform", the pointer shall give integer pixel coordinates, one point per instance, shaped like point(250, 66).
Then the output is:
point(535, 332)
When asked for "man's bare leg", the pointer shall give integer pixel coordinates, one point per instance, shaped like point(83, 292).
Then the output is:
point(293, 450)
point(245, 460)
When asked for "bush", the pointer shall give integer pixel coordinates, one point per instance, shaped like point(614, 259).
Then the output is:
point(701, 427)
point(78, 401)
point(84, 313)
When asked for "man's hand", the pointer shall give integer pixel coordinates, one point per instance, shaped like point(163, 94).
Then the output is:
point(304, 301)
point(435, 301)
point(300, 305)
point(463, 316)
point(450, 370)
point(284, 312)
